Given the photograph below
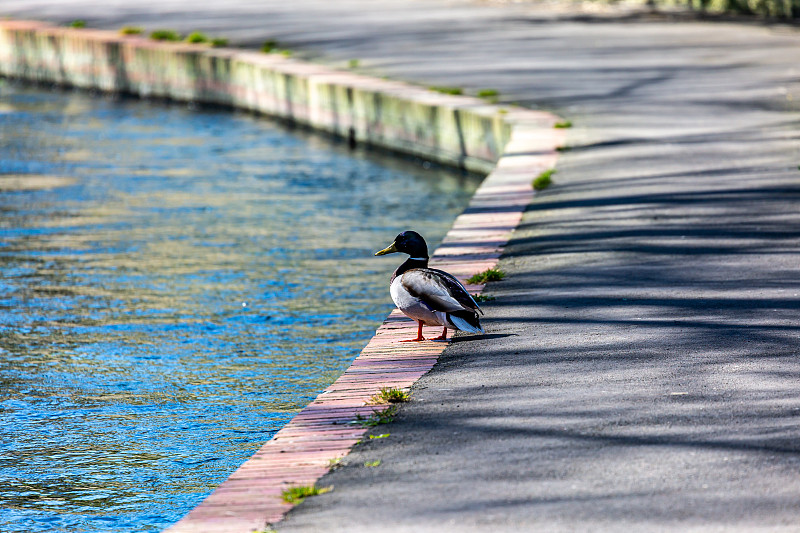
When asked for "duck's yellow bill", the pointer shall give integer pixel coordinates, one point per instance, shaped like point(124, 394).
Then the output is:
point(390, 250)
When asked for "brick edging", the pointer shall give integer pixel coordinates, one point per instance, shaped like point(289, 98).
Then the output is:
point(301, 452)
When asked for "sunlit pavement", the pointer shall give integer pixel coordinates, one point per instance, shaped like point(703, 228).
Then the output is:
point(640, 371)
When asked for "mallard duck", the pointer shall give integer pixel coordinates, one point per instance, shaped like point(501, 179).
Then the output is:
point(429, 296)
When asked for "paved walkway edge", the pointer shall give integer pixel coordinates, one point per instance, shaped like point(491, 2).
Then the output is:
point(514, 145)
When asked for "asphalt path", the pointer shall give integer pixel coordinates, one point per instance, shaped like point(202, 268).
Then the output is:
point(640, 371)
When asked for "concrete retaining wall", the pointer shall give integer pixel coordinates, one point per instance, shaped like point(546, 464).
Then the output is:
point(459, 131)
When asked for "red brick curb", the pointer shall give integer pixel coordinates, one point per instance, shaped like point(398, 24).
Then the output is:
point(302, 452)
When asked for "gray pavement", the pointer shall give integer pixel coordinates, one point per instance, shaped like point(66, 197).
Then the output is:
point(640, 371)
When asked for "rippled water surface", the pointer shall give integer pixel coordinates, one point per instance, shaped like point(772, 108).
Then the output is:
point(176, 284)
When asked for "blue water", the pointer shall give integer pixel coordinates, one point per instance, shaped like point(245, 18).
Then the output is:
point(176, 284)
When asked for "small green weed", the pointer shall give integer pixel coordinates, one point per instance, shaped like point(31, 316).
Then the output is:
point(565, 148)
point(218, 42)
point(298, 494)
point(489, 94)
point(353, 63)
point(196, 37)
point(269, 46)
point(131, 30)
point(491, 274)
point(543, 180)
point(77, 24)
point(447, 90)
point(335, 463)
point(377, 418)
point(373, 463)
point(564, 124)
point(165, 35)
point(381, 436)
point(286, 53)
point(482, 298)
point(389, 395)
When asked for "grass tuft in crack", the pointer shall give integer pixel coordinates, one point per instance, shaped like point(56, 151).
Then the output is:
point(298, 494)
point(543, 180)
point(196, 37)
point(269, 46)
point(491, 274)
point(389, 395)
point(131, 30)
point(491, 95)
point(165, 35)
point(447, 90)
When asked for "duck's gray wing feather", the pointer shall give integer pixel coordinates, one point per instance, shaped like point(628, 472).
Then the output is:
point(439, 290)
point(458, 291)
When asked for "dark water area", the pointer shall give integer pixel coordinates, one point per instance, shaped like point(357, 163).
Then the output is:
point(175, 285)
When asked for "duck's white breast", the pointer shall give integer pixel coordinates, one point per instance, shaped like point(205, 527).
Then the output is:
point(413, 307)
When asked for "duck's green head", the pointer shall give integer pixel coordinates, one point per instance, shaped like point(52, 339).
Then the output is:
point(408, 242)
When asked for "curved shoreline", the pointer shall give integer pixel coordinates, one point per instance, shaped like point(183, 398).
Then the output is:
point(512, 145)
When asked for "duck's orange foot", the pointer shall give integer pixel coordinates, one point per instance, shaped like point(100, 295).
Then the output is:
point(442, 337)
point(419, 335)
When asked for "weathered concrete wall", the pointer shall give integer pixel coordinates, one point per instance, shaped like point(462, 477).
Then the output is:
point(459, 131)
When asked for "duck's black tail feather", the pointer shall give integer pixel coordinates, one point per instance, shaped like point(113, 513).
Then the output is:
point(465, 321)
